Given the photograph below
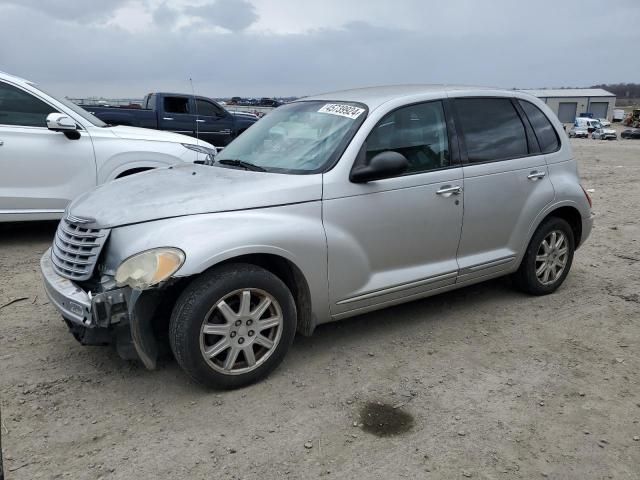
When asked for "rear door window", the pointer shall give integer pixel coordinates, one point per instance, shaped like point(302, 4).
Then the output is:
point(542, 127)
point(176, 105)
point(492, 129)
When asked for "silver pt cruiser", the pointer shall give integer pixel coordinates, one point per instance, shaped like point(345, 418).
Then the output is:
point(329, 207)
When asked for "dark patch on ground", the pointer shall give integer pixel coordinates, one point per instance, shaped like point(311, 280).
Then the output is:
point(384, 420)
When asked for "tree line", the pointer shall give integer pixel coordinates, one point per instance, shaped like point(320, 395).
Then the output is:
point(621, 90)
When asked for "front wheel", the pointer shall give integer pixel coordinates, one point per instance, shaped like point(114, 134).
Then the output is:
point(232, 326)
point(548, 258)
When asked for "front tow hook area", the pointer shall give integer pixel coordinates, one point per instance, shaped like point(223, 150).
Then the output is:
point(142, 307)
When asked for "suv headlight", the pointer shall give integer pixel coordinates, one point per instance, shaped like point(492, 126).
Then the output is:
point(149, 268)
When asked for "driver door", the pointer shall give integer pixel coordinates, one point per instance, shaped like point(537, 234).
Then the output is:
point(41, 171)
point(396, 239)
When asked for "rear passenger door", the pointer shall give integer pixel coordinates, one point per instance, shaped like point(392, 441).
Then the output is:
point(506, 184)
point(177, 115)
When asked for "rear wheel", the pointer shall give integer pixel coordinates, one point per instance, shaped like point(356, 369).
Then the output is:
point(548, 258)
point(232, 326)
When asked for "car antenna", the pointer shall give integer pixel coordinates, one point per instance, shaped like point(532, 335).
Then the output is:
point(193, 94)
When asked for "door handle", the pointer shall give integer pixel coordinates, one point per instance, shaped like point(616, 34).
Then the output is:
point(200, 121)
point(535, 175)
point(167, 118)
point(447, 190)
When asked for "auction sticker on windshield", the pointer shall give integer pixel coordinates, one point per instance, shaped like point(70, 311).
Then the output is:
point(342, 110)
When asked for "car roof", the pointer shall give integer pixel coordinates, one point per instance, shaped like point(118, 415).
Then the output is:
point(373, 97)
point(13, 79)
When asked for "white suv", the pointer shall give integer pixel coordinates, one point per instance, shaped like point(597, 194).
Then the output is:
point(51, 151)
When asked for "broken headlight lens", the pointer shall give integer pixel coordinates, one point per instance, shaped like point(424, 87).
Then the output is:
point(149, 268)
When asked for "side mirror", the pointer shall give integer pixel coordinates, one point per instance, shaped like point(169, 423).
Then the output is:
point(383, 165)
point(59, 122)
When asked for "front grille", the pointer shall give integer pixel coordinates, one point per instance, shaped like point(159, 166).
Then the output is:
point(76, 249)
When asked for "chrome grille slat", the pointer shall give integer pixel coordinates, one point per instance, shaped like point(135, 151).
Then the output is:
point(82, 233)
point(69, 248)
point(76, 249)
point(65, 268)
point(69, 258)
point(75, 243)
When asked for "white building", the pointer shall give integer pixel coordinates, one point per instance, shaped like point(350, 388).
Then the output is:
point(569, 103)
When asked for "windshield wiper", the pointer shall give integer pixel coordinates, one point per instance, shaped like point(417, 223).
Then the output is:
point(242, 164)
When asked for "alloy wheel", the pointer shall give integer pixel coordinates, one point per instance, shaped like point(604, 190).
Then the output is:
point(551, 258)
point(241, 331)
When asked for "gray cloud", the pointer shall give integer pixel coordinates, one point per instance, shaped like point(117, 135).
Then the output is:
point(71, 10)
point(165, 16)
point(569, 48)
point(234, 15)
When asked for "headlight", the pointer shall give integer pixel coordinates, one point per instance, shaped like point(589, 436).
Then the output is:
point(200, 149)
point(149, 268)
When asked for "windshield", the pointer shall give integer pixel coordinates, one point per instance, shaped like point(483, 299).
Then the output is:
point(301, 137)
point(76, 109)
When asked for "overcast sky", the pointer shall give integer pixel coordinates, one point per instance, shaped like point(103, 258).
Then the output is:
point(126, 48)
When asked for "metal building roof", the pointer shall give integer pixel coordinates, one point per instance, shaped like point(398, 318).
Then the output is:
point(569, 92)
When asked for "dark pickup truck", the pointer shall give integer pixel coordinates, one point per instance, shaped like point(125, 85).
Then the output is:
point(186, 114)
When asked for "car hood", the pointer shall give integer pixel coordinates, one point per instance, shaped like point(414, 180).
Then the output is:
point(135, 133)
point(608, 131)
point(190, 190)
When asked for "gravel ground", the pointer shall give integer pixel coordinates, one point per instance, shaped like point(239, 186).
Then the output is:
point(483, 382)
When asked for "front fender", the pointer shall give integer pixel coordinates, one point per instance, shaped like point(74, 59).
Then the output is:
point(293, 232)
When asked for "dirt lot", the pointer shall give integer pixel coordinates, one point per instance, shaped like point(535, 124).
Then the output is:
point(487, 383)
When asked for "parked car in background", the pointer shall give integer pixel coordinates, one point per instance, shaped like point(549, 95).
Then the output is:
point(269, 102)
point(51, 151)
point(618, 115)
point(185, 114)
point(604, 134)
point(588, 123)
point(578, 132)
point(604, 122)
point(631, 133)
point(329, 207)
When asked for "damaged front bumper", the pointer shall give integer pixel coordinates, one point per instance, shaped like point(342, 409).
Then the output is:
point(121, 316)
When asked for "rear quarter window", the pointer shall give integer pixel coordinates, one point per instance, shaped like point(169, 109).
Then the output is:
point(545, 133)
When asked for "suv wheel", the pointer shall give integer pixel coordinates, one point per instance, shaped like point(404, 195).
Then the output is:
point(548, 258)
point(232, 326)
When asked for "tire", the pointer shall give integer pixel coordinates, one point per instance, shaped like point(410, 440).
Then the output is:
point(200, 327)
point(526, 278)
